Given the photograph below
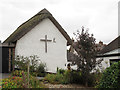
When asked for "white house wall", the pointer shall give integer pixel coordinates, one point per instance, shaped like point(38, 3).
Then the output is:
point(106, 60)
point(30, 44)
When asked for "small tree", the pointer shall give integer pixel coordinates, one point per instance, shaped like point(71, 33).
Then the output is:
point(21, 62)
point(86, 53)
point(28, 64)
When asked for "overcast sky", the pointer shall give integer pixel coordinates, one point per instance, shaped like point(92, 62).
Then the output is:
point(100, 16)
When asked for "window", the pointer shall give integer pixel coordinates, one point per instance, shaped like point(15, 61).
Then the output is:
point(113, 61)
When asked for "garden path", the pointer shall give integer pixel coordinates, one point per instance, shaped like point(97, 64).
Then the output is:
point(65, 86)
point(4, 75)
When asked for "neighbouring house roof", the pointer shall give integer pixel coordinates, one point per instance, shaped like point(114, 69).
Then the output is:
point(115, 44)
point(31, 23)
point(99, 46)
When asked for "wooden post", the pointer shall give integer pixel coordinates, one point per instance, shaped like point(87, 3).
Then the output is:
point(13, 59)
point(9, 59)
point(28, 73)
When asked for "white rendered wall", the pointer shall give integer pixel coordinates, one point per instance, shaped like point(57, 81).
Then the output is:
point(106, 60)
point(30, 44)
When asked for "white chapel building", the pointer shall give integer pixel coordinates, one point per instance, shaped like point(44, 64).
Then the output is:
point(43, 36)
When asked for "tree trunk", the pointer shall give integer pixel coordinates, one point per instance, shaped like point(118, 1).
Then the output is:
point(86, 83)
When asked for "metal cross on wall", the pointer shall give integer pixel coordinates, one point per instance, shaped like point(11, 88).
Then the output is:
point(45, 40)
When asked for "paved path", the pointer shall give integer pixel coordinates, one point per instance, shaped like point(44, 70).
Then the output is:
point(4, 75)
point(64, 86)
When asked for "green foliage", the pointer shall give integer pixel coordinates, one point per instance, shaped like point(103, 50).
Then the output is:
point(18, 82)
point(64, 78)
point(50, 78)
point(110, 77)
point(17, 73)
point(86, 50)
point(91, 80)
point(35, 83)
point(59, 78)
point(76, 77)
point(41, 71)
point(36, 68)
point(85, 59)
point(54, 78)
point(12, 82)
point(61, 71)
point(67, 77)
point(34, 74)
point(21, 62)
point(97, 77)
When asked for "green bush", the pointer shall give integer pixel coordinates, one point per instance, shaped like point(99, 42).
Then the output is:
point(33, 74)
point(50, 78)
point(67, 77)
point(110, 77)
point(76, 77)
point(97, 77)
point(12, 82)
point(59, 77)
point(73, 77)
point(21, 63)
point(91, 80)
point(21, 82)
point(41, 71)
point(17, 73)
point(64, 78)
point(61, 71)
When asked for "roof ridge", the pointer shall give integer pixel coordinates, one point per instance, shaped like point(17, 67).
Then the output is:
point(32, 22)
point(43, 11)
point(114, 44)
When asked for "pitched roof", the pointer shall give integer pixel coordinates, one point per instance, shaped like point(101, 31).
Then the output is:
point(31, 23)
point(115, 44)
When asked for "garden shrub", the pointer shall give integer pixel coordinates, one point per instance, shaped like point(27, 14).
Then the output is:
point(97, 77)
point(17, 73)
point(21, 62)
point(91, 80)
point(61, 71)
point(72, 77)
point(33, 74)
point(20, 82)
point(55, 78)
point(41, 69)
point(12, 82)
point(0, 84)
point(110, 77)
point(67, 77)
point(50, 78)
point(64, 78)
point(76, 77)
point(35, 83)
point(36, 68)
